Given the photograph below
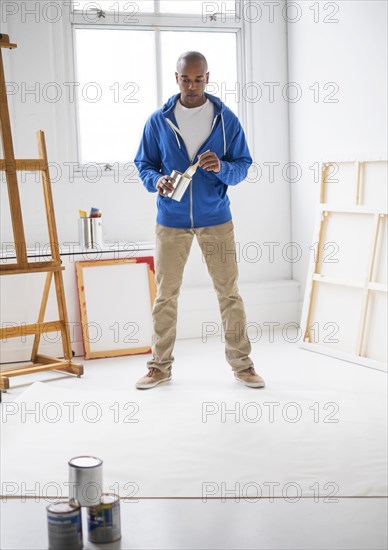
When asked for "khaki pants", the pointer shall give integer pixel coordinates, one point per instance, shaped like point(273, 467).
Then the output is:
point(218, 249)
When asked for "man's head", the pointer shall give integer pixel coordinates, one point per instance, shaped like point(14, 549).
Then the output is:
point(192, 76)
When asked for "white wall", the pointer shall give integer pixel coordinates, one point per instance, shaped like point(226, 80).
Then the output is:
point(261, 209)
point(352, 53)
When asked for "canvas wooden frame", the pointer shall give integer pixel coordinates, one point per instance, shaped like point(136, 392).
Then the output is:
point(114, 293)
point(353, 207)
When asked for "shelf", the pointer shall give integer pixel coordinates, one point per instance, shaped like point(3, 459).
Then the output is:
point(76, 250)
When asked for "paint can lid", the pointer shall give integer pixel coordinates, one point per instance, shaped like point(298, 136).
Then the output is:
point(109, 498)
point(175, 174)
point(63, 507)
point(85, 462)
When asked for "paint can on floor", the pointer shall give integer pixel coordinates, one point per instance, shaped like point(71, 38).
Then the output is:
point(85, 480)
point(64, 522)
point(104, 523)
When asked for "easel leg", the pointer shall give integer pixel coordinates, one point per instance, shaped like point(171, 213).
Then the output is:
point(66, 344)
point(42, 312)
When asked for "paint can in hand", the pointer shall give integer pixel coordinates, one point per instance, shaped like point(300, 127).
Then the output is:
point(180, 185)
point(85, 480)
point(104, 523)
point(64, 521)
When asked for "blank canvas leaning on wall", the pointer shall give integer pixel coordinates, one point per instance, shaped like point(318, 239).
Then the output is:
point(116, 298)
point(345, 307)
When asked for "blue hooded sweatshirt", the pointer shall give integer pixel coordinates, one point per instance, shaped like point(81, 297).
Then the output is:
point(162, 150)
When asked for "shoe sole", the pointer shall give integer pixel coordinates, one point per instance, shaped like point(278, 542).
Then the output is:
point(251, 384)
point(149, 386)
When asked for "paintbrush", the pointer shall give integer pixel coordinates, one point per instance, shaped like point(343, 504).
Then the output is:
point(191, 170)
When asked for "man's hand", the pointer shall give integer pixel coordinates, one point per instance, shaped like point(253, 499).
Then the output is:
point(164, 185)
point(210, 162)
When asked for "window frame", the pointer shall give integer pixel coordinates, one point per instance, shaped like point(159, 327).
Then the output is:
point(157, 22)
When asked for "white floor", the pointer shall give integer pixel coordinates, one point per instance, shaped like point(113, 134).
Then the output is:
point(200, 365)
point(351, 523)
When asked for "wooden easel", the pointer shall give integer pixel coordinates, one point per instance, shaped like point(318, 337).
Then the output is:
point(52, 267)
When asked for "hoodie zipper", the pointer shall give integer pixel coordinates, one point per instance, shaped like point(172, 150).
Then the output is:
point(191, 194)
point(176, 130)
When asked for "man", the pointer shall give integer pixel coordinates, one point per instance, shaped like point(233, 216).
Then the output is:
point(195, 126)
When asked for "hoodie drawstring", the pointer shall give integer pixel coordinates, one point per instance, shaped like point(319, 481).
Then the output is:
point(172, 126)
point(223, 133)
point(175, 130)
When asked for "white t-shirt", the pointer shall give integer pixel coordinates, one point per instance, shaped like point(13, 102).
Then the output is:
point(194, 124)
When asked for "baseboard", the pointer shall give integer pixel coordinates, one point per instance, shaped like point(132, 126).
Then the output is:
point(268, 304)
point(273, 303)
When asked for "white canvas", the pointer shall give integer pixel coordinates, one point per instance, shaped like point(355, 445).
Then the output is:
point(118, 306)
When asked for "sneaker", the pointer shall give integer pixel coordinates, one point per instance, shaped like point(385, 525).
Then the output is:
point(250, 378)
point(153, 378)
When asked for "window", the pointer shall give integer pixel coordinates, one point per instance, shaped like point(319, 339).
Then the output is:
point(125, 64)
point(222, 69)
point(116, 91)
point(194, 6)
point(152, 6)
point(144, 6)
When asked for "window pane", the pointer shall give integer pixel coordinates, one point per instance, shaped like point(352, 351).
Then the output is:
point(126, 6)
point(222, 68)
point(116, 92)
point(197, 6)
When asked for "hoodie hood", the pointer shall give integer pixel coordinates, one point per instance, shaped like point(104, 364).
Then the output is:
point(168, 107)
point(168, 112)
